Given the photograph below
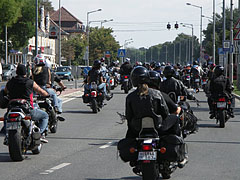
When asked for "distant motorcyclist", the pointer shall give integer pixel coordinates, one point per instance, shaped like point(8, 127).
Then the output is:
point(125, 69)
point(219, 85)
point(172, 85)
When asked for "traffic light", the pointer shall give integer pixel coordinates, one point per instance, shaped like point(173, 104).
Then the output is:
point(176, 25)
point(168, 26)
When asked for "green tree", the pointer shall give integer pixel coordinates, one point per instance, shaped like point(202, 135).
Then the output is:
point(47, 5)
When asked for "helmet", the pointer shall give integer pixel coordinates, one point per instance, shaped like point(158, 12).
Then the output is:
point(102, 59)
point(155, 79)
point(139, 75)
point(178, 64)
point(39, 60)
point(195, 63)
point(127, 60)
point(163, 64)
point(168, 71)
point(218, 70)
point(48, 64)
point(152, 64)
point(212, 66)
point(138, 63)
point(113, 64)
point(157, 65)
point(97, 64)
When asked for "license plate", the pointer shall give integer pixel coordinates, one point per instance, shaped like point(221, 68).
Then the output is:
point(221, 104)
point(13, 125)
point(188, 79)
point(147, 155)
point(125, 80)
point(204, 83)
point(197, 80)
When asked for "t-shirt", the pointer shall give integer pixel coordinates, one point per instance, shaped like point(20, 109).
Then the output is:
point(95, 76)
point(42, 78)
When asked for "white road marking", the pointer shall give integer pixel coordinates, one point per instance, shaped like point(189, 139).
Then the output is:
point(55, 168)
point(106, 145)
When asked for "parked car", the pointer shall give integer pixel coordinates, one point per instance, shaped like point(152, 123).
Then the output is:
point(64, 72)
point(9, 71)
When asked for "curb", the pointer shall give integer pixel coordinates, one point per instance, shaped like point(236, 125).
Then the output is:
point(236, 96)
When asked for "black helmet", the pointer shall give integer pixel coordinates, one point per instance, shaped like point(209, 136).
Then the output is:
point(195, 63)
point(139, 75)
point(178, 64)
point(155, 79)
point(153, 64)
point(168, 71)
point(219, 70)
point(163, 64)
point(97, 64)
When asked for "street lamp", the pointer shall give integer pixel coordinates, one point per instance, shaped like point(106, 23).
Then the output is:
point(189, 4)
point(104, 21)
point(87, 49)
point(187, 26)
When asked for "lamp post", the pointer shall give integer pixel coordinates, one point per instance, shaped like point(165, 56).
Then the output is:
point(187, 26)
point(59, 36)
point(36, 28)
point(104, 21)
point(189, 4)
point(87, 49)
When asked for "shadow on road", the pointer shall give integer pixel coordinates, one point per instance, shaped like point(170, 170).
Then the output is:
point(119, 92)
point(123, 178)
point(4, 157)
point(199, 109)
point(208, 125)
point(95, 139)
point(81, 112)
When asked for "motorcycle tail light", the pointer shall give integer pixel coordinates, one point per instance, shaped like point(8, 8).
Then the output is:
point(204, 80)
point(163, 150)
point(222, 99)
point(86, 95)
point(132, 150)
point(13, 119)
point(229, 102)
point(125, 77)
point(100, 94)
point(94, 93)
point(27, 117)
point(1, 118)
point(147, 147)
point(188, 76)
point(14, 115)
point(146, 161)
point(111, 81)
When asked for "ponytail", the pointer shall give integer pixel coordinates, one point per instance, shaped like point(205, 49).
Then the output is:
point(37, 70)
point(143, 89)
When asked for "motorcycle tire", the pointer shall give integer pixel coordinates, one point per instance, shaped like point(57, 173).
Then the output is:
point(222, 118)
point(15, 145)
point(166, 176)
point(149, 171)
point(37, 150)
point(94, 106)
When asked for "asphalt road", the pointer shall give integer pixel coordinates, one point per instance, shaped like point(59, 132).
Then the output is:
point(84, 148)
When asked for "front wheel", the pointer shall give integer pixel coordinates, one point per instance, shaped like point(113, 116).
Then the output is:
point(221, 116)
point(15, 145)
point(149, 171)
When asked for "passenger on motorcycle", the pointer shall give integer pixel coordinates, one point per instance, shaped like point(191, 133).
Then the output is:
point(219, 85)
point(21, 87)
point(172, 85)
point(42, 76)
point(95, 75)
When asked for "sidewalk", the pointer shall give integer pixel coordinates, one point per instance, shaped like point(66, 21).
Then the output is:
point(67, 92)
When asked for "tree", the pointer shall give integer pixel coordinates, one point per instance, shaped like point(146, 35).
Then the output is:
point(47, 5)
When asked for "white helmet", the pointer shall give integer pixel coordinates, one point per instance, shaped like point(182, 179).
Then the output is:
point(39, 60)
point(127, 60)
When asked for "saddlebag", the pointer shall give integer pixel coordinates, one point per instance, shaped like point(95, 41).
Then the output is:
point(3, 99)
point(86, 99)
point(191, 122)
point(175, 148)
point(124, 147)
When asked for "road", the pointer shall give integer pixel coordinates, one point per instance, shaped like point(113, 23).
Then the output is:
point(84, 148)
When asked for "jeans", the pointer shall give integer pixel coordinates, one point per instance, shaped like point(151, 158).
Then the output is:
point(57, 102)
point(41, 117)
point(100, 86)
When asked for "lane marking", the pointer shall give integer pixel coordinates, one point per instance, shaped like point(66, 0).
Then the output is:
point(60, 166)
point(106, 145)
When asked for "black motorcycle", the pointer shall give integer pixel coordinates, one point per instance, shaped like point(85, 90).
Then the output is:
point(94, 96)
point(154, 155)
point(46, 104)
point(221, 107)
point(196, 82)
point(21, 132)
point(126, 83)
point(187, 80)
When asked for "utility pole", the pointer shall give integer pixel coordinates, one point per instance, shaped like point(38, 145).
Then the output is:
point(231, 42)
point(59, 35)
point(238, 64)
point(179, 52)
point(36, 29)
point(174, 60)
point(166, 53)
point(6, 46)
point(214, 22)
point(225, 58)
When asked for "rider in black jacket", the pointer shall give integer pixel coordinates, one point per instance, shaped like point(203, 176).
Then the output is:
point(219, 85)
point(173, 85)
point(143, 102)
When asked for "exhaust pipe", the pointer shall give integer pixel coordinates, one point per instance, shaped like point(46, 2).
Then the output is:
point(36, 133)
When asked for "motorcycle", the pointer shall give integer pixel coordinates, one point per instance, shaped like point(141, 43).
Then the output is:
point(196, 82)
point(221, 107)
point(204, 83)
point(156, 155)
point(46, 104)
point(186, 81)
point(94, 97)
point(22, 134)
point(126, 84)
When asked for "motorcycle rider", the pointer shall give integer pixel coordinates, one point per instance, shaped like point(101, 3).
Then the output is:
point(219, 85)
point(95, 75)
point(21, 87)
point(125, 69)
point(196, 73)
point(42, 76)
point(173, 85)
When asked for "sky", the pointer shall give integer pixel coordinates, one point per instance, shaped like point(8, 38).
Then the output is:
point(144, 21)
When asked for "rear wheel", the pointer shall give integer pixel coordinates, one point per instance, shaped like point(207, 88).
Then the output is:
point(166, 176)
point(94, 106)
point(125, 87)
point(222, 118)
point(149, 171)
point(15, 145)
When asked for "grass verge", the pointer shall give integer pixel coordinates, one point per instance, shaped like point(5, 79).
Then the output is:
point(236, 90)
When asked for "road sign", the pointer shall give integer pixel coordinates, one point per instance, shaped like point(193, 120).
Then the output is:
point(206, 56)
point(107, 54)
point(121, 52)
point(220, 51)
point(237, 26)
point(237, 36)
point(226, 46)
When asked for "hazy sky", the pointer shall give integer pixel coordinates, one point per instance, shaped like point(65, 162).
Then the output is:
point(144, 20)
